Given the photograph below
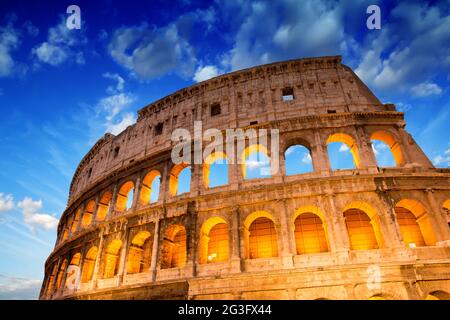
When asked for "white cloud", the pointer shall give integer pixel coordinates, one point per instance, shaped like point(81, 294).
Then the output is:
point(9, 40)
point(33, 218)
point(205, 73)
point(61, 45)
point(114, 104)
point(256, 164)
point(6, 202)
point(343, 148)
point(127, 120)
point(120, 83)
point(426, 89)
point(15, 288)
point(442, 160)
point(306, 158)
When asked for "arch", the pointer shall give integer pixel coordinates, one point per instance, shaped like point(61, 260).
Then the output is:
point(51, 279)
point(392, 143)
point(111, 259)
point(212, 158)
point(363, 226)
point(174, 175)
point(254, 148)
point(310, 231)
point(260, 235)
point(146, 188)
point(422, 218)
point(75, 261)
point(213, 244)
point(89, 264)
point(139, 253)
point(298, 160)
point(349, 141)
point(103, 205)
point(61, 271)
point(88, 213)
point(173, 251)
point(438, 295)
point(123, 196)
point(76, 219)
point(446, 204)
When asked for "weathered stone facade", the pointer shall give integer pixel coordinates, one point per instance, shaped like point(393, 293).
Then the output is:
point(161, 250)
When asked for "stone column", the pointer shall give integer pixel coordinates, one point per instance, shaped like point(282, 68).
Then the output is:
point(81, 266)
point(405, 145)
point(191, 236)
point(98, 260)
point(164, 187)
point(319, 156)
point(112, 206)
point(286, 237)
point(80, 218)
point(438, 220)
point(94, 214)
point(155, 251)
point(235, 258)
point(123, 256)
point(366, 156)
point(137, 191)
point(390, 229)
point(340, 231)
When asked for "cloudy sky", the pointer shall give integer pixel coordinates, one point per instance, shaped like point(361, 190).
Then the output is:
point(61, 89)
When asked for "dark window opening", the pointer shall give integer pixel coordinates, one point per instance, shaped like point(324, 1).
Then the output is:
point(90, 172)
point(253, 122)
point(116, 152)
point(215, 109)
point(331, 111)
point(159, 129)
point(288, 94)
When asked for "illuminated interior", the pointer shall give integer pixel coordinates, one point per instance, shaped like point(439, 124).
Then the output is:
point(139, 253)
point(360, 231)
point(214, 244)
point(51, 280)
point(310, 235)
point(393, 145)
point(75, 221)
point(261, 236)
point(256, 155)
point(61, 271)
point(123, 196)
point(174, 177)
point(438, 295)
point(103, 206)
point(422, 219)
point(173, 251)
point(349, 142)
point(75, 261)
point(409, 228)
point(89, 264)
point(88, 213)
point(216, 163)
point(146, 188)
point(111, 259)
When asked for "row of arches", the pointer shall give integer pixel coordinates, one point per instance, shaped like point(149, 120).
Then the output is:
point(261, 233)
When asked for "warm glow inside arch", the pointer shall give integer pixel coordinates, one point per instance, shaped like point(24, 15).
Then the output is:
point(146, 188)
point(111, 259)
point(103, 206)
point(75, 261)
point(174, 250)
point(88, 213)
point(51, 280)
point(139, 253)
point(260, 235)
point(349, 142)
point(89, 264)
point(174, 177)
point(75, 220)
point(123, 196)
point(310, 231)
point(61, 271)
point(392, 143)
point(213, 246)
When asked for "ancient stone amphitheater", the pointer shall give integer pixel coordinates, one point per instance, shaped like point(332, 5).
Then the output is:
point(365, 233)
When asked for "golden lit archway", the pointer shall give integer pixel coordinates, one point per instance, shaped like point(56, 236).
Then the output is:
point(213, 244)
point(88, 213)
point(139, 253)
point(146, 188)
point(123, 194)
point(89, 264)
point(173, 251)
point(51, 279)
point(61, 271)
point(209, 160)
point(438, 295)
point(349, 142)
point(392, 143)
point(406, 207)
point(254, 148)
point(75, 261)
point(174, 175)
point(363, 226)
point(310, 230)
point(103, 206)
point(260, 235)
point(111, 259)
point(75, 221)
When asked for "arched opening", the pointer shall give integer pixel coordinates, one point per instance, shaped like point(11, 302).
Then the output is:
point(61, 271)
point(415, 226)
point(180, 179)
point(51, 280)
point(297, 160)
point(125, 196)
point(446, 207)
point(363, 226)
point(342, 151)
point(215, 170)
point(103, 205)
point(111, 259)
point(89, 264)
point(75, 221)
point(310, 234)
point(438, 295)
point(387, 150)
point(214, 245)
point(150, 187)
point(88, 213)
point(261, 236)
point(173, 251)
point(139, 253)
point(255, 162)
point(72, 270)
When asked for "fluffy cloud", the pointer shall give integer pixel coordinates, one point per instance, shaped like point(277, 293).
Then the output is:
point(205, 73)
point(306, 159)
point(6, 202)
point(119, 85)
point(127, 120)
point(9, 40)
point(15, 288)
point(115, 104)
point(61, 45)
point(442, 160)
point(343, 148)
point(33, 218)
point(426, 89)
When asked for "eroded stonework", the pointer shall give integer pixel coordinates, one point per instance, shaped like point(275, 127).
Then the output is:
point(365, 233)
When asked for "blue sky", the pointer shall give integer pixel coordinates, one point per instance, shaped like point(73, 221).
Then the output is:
point(61, 89)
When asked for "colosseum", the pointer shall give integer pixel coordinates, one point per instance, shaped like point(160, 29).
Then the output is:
point(370, 232)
